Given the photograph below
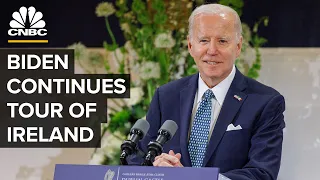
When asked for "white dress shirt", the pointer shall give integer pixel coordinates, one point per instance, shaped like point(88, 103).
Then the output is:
point(219, 91)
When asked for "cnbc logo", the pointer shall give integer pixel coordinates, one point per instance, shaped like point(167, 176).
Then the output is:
point(27, 22)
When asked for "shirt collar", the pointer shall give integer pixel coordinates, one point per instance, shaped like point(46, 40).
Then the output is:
point(220, 90)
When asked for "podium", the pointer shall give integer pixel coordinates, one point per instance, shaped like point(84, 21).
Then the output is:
point(103, 172)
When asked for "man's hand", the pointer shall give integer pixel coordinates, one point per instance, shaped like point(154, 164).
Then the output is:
point(168, 160)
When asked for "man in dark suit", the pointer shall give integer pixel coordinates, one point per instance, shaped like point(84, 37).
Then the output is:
point(225, 119)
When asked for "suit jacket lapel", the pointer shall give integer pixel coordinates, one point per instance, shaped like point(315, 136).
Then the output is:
point(228, 111)
point(187, 95)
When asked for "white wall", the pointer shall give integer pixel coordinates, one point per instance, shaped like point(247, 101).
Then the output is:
point(296, 74)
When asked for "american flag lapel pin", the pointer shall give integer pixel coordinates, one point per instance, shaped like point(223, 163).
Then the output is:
point(237, 97)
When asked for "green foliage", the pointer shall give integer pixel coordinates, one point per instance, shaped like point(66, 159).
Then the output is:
point(156, 51)
point(160, 17)
point(109, 47)
point(139, 8)
point(138, 111)
point(118, 120)
point(237, 5)
point(122, 8)
point(257, 42)
point(191, 68)
point(162, 58)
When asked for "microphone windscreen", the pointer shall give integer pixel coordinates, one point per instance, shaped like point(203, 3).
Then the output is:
point(141, 125)
point(170, 126)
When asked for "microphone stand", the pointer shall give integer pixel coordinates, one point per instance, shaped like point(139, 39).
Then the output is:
point(123, 158)
point(128, 147)
point(155, 147)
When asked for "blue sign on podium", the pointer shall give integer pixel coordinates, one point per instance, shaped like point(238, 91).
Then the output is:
point(103, 172)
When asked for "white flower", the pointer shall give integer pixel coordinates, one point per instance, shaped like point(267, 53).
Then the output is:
point(185, 42)
point(181, 60)
point(180, 72)
point(105, 9)
point(125, 27)
point(189, 5)
point(117, 56)
point(182, 57)
point(174, 22)
point(184, 53)
point(128, 15)
point(133, 55)
point(195, 66)
point(80, 50)
point(127, 125)
point(148, 70)
point(164, 40)
point(136, 95)
point(183, 30)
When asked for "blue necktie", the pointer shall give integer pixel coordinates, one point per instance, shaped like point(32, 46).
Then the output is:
point(200, 130)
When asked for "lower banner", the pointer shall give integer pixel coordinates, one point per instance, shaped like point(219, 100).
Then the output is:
point(103, 172)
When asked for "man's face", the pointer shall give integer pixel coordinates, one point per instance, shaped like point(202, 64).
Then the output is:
point(213, 45)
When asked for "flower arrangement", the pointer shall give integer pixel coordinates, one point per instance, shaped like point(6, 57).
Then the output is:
point(155, 52)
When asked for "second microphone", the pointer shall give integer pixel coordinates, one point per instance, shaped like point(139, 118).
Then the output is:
point(155, 148)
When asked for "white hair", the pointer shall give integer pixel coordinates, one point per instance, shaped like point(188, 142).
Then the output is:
point(216, 9)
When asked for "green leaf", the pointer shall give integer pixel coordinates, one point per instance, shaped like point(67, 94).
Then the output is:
point(146, 102)
point(191, 71)
point(138, 6)
point(122, 5)
point(95, 58)
point(237, 5)
point(149, 91)
point(158, 5)
point(190, 61)
point(253, 74)
point(143, 34)
point(106, 65)
point(138, 112)
point(143, 18)
point(258, 41)
point(121, 67)
point(160, 18)
point(256, 66)
point(163, 61)
point(261, 41)
point(109, 47)
point(122, 8)
point(118, 120)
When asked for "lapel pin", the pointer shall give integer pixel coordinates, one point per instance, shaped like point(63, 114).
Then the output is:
point(237, 97)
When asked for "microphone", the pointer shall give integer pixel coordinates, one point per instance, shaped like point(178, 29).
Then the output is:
point(155, 148)
point(137, 132)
